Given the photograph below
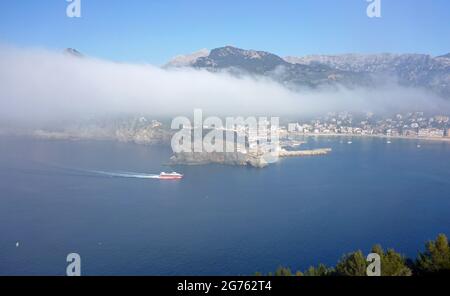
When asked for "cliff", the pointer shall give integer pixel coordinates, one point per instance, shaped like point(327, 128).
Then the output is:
point(228, 158)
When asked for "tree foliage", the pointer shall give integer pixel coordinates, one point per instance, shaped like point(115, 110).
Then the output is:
point(352, 264)
point(283, 271)
point(392, 263)
point(320, 270)
point(436, 258)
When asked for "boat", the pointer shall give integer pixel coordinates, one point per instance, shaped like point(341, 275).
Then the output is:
point(170, 176)
point(389, 142)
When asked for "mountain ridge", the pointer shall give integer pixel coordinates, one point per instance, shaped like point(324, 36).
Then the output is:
point(350, 70)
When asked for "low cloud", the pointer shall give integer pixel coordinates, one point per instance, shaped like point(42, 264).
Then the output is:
point(39, 85)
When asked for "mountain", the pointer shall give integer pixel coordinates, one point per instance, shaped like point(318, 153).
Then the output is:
point(350, 70)
point(250, 60)
point(73, 52)
point(417, 70)
point(187, 60)
point(447, 56)
point(261, 63)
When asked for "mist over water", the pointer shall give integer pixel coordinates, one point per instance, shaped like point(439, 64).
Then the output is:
point(39, 85)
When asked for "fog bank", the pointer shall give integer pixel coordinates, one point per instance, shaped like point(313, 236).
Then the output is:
point(43, 85)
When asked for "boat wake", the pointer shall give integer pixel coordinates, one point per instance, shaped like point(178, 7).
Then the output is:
point(116, 174)
point(126, 175)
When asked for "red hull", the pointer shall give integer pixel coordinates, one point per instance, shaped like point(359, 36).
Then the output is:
point(170, 178)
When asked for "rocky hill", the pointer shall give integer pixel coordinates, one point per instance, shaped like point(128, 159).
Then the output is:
point(349, 70)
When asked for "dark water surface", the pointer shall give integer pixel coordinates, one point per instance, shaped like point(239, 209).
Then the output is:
point(219, 219)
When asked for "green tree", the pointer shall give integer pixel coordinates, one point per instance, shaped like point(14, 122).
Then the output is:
point(392, 263)
point(321, 270)
point(436, 258)
point(283, 271)
point(352, 264)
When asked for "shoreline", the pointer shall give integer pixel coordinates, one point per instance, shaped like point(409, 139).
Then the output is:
point(444, 139)
point(68, 137)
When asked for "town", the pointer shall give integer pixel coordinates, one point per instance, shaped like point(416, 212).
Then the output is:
point(408, 125)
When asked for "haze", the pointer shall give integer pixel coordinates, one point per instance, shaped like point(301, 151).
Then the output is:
point(40, 85)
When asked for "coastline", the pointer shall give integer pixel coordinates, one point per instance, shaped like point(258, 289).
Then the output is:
point(444, 139)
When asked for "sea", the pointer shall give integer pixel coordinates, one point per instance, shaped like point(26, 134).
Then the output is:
point(99, 199)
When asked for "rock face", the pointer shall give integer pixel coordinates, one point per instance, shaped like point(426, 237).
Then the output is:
point(237, 158)
point(252, 61)
point(261, 63)
point(187, 60)
point(350, 70)
point(418, 70)
point(136, 130)
point(228, 158)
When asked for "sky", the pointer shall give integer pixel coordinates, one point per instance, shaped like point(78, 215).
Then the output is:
point(143, 31)
point(125, 42)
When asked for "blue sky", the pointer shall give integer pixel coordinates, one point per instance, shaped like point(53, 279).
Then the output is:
point(153, 31)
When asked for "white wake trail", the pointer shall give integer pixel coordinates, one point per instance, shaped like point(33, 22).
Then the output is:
point(127, 175)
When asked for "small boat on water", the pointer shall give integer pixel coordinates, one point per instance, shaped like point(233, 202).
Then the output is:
point(170, 176)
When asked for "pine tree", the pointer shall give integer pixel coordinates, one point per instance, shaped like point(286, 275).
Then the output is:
point(283, 271)
point(321, 270)
point(436, 258)
point(392, 263)
point(353, 264)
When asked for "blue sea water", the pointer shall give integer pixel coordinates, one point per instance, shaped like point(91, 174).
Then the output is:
point(218, 220)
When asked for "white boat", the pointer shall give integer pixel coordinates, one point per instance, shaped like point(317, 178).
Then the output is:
point(170, 176)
